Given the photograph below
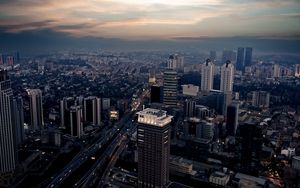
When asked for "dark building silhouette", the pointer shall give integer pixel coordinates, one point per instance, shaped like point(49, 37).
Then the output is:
point(248, 148)
point(240, 58)
point(153, 145)
point(189, 108)
point(92, 110)
point(232, 119)
point(156, 94)
point(248, 57)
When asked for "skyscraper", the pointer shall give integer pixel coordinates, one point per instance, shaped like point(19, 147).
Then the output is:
point(207, 76)
point(232, 119)
point(76, 123)
point(240, 59)
point(175, 62)
point(248, 57)
point(65, 106)
point(36, 109)
point(8, 153)
point(249, 146)
point(18, 118)
point(170, 88)
point(189, 108)
point(153, 145)
point(227, 71)
point(92, 110)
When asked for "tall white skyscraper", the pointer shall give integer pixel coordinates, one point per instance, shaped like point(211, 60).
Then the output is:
point(207, 76)
point(8, 153)
point(36, 109)
point(227, 71)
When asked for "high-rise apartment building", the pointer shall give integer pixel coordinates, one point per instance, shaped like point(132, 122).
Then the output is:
point(170, 88)
point(36, 109)
point(92, 110)
point(261, 99)
point(227, 73)
point(175, 62)
point(207, 76)
point(153, 145)
point(189, 108)
point(76, 121)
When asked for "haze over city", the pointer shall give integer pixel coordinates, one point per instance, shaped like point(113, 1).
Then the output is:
point(149, 93)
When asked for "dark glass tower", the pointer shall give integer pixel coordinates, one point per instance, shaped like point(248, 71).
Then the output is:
point(232, 119)
point(240, 58)
point(153, 144)
point(248, 57)
point(249, 147)
point(170, 88)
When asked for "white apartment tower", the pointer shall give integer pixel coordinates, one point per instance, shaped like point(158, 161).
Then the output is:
point(207, 76)
point(227, 71)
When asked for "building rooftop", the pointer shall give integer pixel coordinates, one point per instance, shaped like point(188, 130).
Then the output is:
point(153, 116)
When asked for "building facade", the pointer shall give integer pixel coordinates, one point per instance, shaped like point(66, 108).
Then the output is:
point(36, 109)
point(207, 76)
point(153, 144)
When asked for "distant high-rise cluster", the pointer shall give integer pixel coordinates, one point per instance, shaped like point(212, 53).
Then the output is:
point(9, 59)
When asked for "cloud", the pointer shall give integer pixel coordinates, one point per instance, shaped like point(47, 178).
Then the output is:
point(148, 18)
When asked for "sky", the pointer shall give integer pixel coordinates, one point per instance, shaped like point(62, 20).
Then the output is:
point(150, 19)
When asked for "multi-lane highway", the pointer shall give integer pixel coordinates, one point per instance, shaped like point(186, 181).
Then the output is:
point(104, 152)
point(104, 140)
